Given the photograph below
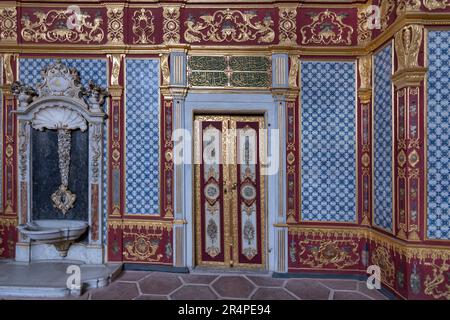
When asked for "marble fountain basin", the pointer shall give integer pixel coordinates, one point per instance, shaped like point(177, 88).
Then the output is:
point(53, 231)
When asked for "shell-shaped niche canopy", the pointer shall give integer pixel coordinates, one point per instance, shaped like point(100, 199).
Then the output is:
point(55, 118)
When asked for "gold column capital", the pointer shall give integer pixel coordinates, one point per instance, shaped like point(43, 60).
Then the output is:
point(411, 77)
point(365, 95)
point(115, 91)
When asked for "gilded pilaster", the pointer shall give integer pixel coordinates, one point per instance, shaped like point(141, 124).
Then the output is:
point(116, 154)
point(410, 139)
point(364, 136)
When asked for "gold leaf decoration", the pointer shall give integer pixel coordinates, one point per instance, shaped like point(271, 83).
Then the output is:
point(364, 32)
point(229, 25)
point(143, 27)
point(432, 284)
point(8, 25)
point(327, 27)
point(293, 71)
point(287, 26)
point(52, 26)
point(407, 46)
point(386, 8)
point(383, 259)
point(142, 247)
point(165, 69)
point(407, 5)
point(365, 71)
point(115, 25)
point(320, 253)
point(171, 25)
point(436, 4)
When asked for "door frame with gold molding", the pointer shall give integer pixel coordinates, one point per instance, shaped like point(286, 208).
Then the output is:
point(230, 103)
point(228, 177)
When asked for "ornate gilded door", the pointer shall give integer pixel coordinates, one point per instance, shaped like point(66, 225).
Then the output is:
point(229, 191)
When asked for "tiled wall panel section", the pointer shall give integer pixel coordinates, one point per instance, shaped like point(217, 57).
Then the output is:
point(142, 136)
point(89, 69)
point(383, 139)
point(328, 165)
point(438, 120)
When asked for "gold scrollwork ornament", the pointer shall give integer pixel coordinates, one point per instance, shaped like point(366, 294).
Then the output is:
point(115, 25)
point(230, 25)
point(288, 25)
point(432, 284)
point(53, 26)
point(8, 25)
point(143, 27)
point(407, 5)
point(320, 253)
point(327, 27)
point(436, 4)
point(364, 32)
point(171, 25)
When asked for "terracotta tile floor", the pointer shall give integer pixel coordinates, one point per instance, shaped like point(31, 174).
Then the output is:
point(160, 286)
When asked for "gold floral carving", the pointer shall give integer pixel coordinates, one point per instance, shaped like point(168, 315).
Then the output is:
point(287, 25)
point(115, 25)
point(52, 26)
point(321, 253)
point(8, 25)
point(383, 259)
point(432, 283)
point(327, 28)
point(365, 71)
point(407, 46)
point(364, 32)
point(171, 25)
point(143, 247)
point(409, 252)
point(115, 68)
point(165, 69)
point(9, 75)
point(143, 27)
point(436, 4)
point(8, 222)
point(293, 71)
point(230, 25)
point(386, 8)
point(407, 5)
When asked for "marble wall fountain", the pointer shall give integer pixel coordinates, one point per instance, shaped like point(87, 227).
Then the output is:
point(60, 152)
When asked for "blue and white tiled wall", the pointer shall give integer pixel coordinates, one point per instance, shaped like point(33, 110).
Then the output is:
point(382, 144)
point(438, 136)
point(328, 160)
point(142, 136)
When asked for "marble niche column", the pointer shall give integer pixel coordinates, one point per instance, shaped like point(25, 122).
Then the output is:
point(174, 90)
point(285, 92)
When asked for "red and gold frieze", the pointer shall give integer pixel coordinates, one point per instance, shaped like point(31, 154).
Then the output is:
point(72, 25)
point(409, 271)
point(327, 27)
point(140, 241)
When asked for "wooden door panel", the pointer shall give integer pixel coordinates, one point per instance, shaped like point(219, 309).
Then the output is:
point(229, 192)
